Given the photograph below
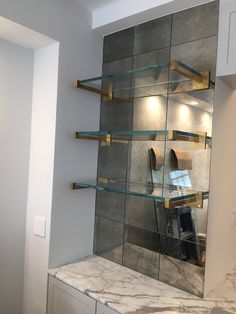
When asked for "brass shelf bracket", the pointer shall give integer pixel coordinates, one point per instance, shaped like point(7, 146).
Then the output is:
point(102, 180)
point(194, 200)
point(203, 139)
point(200, 80)
point(74, 186)
point(107, 94)
point(105, 140)
point(200, 138)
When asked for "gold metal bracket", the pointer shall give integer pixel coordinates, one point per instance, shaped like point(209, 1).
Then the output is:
point(102, 180)
point(194, 201)
point(167, 203)
point(171, 136)
point(74, 186)
point(201, 139)
point(198, 203)
point(200, 80)
point(107, 94)
point(104, 139)
point(205, 82)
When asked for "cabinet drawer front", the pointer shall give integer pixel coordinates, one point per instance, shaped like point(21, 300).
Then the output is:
point(65, 299)
point(102, 309)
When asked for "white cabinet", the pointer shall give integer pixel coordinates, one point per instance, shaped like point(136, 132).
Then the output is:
point(226, 65)
point(102, 309)
point(62, 299)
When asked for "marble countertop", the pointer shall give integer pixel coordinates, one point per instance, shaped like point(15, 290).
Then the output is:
point(129, 292)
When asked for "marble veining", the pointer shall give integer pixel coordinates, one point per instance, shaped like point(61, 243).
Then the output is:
point(225, 290)
point(129, 292)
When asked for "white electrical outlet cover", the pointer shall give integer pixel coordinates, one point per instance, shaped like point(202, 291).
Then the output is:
point(40, 226)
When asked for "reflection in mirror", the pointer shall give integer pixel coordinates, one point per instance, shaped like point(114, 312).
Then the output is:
point(181, 178)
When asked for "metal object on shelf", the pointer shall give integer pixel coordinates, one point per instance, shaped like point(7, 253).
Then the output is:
point(181, 159)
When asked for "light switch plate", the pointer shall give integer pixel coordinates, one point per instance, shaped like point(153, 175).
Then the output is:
point(40, 226)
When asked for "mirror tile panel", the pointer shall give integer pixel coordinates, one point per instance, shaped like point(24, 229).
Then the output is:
point(164, 240)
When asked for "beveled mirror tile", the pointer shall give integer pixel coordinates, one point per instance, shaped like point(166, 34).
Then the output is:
point(142, 260)
point(182, 115)
point(141, 213)
point(152, 35)
point(118, 45)
point(183, 251)
point(140, 165)
point(110, 205)
point(182, 275)
point(148, 83)
point(182, 263)
point(202, 100)
point(184, 223)
point(207, 50)
point(120, 84)
point(197, 178)
point(112, 162)
point(186, 53)
point(143, 238)
point(108, 239)
point(149, 113)
point(116, 116)
point(195, 23)
point(189, 248)
point(190, 118)
point(139, 168)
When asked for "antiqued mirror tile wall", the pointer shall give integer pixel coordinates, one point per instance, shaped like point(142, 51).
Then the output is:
point(166, 244)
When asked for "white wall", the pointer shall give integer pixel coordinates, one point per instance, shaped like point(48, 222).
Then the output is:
point(16, 68)
point(41, 173)
point(221, 237)
point(72, 212)
point(221, 234)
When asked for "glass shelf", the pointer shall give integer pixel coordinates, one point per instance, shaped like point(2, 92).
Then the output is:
point(108, 137)
point(125, 73)
point(169, 196)
point(152, 80)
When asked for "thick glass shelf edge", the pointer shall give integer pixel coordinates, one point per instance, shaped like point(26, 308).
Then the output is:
point(168, 196)
point(125, 73)
point(200, 80)
point(173, 65)
point(107, 137)
point(130, 93)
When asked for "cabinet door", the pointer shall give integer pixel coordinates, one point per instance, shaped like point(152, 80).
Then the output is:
point(227, 40)
point(102, 309)
point(62, 299)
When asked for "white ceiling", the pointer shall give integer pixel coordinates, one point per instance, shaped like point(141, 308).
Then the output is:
point(95, 4)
